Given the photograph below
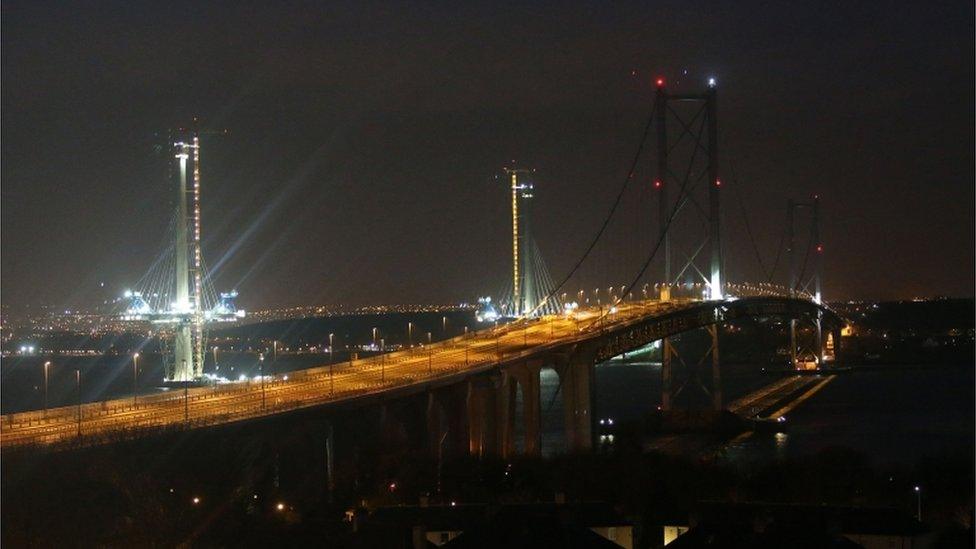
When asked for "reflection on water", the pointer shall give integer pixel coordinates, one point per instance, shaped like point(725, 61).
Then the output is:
point(781, 441)
point(896, 415)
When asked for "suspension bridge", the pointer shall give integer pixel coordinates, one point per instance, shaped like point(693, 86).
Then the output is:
point(676, 284)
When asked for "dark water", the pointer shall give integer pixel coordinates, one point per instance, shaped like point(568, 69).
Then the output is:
point(628, 391)
point(892, 416)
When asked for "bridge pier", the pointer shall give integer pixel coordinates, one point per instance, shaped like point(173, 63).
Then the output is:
point(484, 428)
point(434, 422)
point(576, 381)
point(482, 412)
point(669, 354)
point(527, 377)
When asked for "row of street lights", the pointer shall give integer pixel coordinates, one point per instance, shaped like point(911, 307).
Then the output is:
point(135, 370)
point(47, 366)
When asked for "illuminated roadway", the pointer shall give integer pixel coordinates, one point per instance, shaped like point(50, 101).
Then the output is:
point(341, 382)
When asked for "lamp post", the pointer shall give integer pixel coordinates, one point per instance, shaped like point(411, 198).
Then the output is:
point(135, 378)
point(374, 337)
point(78, 397)
point(444, 326)
point(382, 361)
point(261, 372)
point(186, 395)
point(274, 359)
point(430, 356)
point(216, 369)
point(331, 366)
point(46, 366)
point(918, 498)
point(410, 333)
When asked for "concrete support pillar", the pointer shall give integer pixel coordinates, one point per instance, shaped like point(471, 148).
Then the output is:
point(330, 461)
point(490, 411)
point(576, 382)
point(483, 431)
point(666, 354)
point(454, 401)
point(527, 377)
point(474, 413)
point(435, 431)
point(505, 415)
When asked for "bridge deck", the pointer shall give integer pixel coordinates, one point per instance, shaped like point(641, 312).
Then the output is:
point(405, 371)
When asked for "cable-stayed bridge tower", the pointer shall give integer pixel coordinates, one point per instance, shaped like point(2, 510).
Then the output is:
point(176, 295)
point(530, 280)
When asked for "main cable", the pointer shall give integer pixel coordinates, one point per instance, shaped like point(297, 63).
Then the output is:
point(613, 209)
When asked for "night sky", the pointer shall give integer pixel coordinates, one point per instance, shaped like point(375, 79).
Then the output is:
point(365, 138)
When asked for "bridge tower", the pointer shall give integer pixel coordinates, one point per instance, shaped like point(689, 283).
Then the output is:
point(524, 293)
point(183, 347)
point(687, 159)
point(697, 132)
point(807, 281)
point(176, 294)
point(188, 344)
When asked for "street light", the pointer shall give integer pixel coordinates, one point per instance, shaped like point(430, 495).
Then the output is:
point(382, 361)
point(331, 366)
point(274, 359)
point(410, 333)
point(78, 397)
point(186, 395)
point(374, 337)
point(444, 325)
point(46, 366)
point(216, 369)
point(430, 356)
point(135, 378)
point(261, 371)
point(918, 497)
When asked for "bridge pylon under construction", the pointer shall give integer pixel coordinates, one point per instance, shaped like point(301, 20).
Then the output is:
point(176, 295)
point(530, 279)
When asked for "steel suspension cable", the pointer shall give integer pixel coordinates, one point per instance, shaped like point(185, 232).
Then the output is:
point(745, 219)
point(657, 246)
point(613, 208)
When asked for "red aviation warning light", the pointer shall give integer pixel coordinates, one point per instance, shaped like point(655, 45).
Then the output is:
point(718, 182)
point(657, 184)
point(819, 248)
point(660, 82)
